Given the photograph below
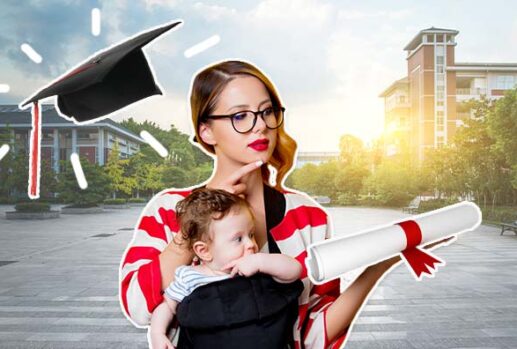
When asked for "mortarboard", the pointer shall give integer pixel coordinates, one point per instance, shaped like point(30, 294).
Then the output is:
point(108, 81)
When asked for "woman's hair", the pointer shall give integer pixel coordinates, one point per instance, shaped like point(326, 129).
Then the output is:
point(201, 207)
point(206, 88)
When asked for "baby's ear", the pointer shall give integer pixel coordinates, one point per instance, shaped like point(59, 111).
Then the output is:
point(202, 251)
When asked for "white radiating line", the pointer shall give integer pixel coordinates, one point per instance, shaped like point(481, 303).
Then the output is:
point(153, 142)
point(4, 88)
point(96, 22)
point(31, 53)
point(78, 170)
point(203, 45)
point(4, 149)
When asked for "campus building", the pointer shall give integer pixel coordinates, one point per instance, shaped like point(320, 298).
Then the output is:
point(316, 158)
point(60, 137)
point(425, 108)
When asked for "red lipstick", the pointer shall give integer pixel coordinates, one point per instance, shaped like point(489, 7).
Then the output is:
point(259, 144)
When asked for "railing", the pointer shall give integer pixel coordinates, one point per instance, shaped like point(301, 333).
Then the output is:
point(470, 91)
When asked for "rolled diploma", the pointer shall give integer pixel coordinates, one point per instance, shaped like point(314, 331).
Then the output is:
point(331, 258)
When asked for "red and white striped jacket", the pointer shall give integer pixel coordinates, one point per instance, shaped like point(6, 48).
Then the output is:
point(303, 223)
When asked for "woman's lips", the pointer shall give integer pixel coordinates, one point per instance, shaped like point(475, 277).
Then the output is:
point(259, 145)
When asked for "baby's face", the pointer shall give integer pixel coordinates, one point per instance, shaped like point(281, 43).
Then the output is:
point(232, 237)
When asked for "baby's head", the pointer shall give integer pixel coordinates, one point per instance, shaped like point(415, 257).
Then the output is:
point(217, 225)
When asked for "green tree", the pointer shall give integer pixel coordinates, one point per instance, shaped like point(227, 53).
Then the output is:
point(502, 126)
point(305, 179)
point(69, 191)
point(391, 184)
point(116, 169)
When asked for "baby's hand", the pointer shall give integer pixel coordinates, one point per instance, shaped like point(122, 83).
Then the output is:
point(245, 266)
point(160, 341)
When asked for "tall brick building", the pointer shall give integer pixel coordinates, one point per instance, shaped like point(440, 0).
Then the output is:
point(424, 109)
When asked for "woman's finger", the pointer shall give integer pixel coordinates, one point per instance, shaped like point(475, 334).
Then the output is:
point(244, 170)
point(440, 242)
point(239, 188)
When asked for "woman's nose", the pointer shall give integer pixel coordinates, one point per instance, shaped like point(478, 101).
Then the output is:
point(260, 124)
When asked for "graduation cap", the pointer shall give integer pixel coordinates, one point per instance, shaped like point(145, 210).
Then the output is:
point(108, 81)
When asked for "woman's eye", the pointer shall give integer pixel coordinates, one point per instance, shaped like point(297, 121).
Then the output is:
point(240, 116)
point(268, 111)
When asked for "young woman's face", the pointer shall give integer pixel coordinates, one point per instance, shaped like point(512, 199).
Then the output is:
point(242, 93)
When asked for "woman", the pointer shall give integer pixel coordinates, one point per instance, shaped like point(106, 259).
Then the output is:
point(238, 117)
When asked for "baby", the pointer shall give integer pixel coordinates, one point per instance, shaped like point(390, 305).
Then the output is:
point(219, 228)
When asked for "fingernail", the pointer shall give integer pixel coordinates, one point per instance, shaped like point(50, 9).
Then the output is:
point(259, 163)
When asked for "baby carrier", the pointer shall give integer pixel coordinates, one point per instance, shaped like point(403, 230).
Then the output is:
point(241, 312)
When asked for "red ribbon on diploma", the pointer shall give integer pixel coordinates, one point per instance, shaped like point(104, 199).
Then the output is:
point(420, 261)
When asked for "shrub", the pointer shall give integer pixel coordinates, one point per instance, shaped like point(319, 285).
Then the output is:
point(115, 201)
point(499, 214)
point(136, 200)
point(435, 204)
point(32, 207)
point(347, 199)
point(87, 205)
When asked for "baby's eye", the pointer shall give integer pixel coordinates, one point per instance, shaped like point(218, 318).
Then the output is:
point(238, 239)
point(252, 235)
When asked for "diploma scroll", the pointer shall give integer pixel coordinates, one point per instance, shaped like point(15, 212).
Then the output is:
point(331, 258)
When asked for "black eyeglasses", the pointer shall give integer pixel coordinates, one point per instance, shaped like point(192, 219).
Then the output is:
point(245, 120)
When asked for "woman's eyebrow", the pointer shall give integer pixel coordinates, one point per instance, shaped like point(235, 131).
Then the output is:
point(247, 106)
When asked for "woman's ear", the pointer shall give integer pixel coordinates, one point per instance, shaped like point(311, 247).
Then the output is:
point(202, 251)
point(206, 134)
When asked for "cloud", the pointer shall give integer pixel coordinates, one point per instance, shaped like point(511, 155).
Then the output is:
point(307, 11)
point(214, 12)
point(358, 15)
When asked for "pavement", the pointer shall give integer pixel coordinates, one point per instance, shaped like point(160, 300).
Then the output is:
point(59, 287)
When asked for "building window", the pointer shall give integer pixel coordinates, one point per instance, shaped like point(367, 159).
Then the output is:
point(505, 82)
point(430, 38)
point(439, 60)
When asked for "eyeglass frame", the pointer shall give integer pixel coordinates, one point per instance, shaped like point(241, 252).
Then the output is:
point(255, 114)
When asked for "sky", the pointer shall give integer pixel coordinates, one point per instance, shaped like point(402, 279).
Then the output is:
point(329, 60)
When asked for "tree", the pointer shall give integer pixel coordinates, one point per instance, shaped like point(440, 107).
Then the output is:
point(502, 126)
point(116, 168)
point(391, 184)
point(482, 166)
point(305, 179)
point(69, 191)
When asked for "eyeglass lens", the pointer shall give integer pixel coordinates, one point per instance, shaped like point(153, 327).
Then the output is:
point(244, 121)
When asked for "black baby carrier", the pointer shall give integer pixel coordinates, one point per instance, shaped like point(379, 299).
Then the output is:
point(241, 312)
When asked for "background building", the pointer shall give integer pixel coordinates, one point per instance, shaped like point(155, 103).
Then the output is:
point(424, 109)
point(60, 137)
point(314, 157)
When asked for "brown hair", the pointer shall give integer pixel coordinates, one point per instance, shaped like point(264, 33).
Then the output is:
point(206, 88)
point(201, 207)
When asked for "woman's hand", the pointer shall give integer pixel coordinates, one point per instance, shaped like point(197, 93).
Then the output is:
point(388, 263)
point(160, 341)
point(444, 242)
point(233, 184)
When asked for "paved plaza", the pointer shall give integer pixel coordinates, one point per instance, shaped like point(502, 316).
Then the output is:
point(59, 286)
